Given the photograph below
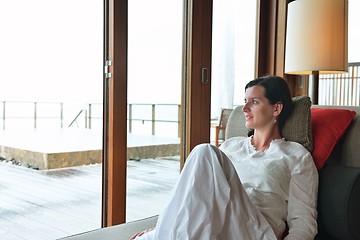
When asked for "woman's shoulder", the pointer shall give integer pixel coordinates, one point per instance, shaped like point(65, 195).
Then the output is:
point(233, 141)
point(294, 149)
point(295, 154)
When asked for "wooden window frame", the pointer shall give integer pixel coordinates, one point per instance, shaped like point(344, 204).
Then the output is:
point(196, 94)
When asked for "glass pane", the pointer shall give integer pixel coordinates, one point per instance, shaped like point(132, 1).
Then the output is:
point(154, 97)
point(343, 89)
point(51, 127)
point(353, 31)
point(233, 60)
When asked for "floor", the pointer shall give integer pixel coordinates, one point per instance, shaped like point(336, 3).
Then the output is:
point(50, 204)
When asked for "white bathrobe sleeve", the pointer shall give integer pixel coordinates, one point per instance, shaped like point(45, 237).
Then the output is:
point(302, 213)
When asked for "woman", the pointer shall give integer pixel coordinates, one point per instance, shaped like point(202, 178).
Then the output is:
point(250, 188)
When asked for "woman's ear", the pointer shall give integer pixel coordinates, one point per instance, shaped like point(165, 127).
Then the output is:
point(278, 108)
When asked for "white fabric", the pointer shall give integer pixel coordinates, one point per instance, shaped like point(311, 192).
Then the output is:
point(223, 60)
point(210, 202)
point(282, 182)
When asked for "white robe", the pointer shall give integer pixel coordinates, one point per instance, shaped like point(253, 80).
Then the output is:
point(210, 202)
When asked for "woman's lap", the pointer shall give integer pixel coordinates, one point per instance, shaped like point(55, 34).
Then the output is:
point(209, 202)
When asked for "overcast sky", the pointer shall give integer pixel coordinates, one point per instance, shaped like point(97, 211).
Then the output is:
point(53, 54)
point(56, 54)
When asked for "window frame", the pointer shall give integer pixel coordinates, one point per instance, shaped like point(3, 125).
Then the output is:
point(196, 94)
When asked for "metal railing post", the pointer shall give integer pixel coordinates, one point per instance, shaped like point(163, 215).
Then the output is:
point(153, 119)
point(86, 117)
point(179, 120)
point(4, 115)
point(61, 115)
point(130, 118)
point(89, 117)
point(35, 113)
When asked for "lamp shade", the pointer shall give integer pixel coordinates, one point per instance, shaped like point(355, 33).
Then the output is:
point(317, 37)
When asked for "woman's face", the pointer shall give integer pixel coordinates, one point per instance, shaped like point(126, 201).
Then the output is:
point(259, 112)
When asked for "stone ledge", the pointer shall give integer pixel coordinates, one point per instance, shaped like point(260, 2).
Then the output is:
point(153, 151)
point(45, 161)
point(59, 148)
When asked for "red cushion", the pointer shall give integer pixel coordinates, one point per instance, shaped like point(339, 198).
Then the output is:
point(328, 126)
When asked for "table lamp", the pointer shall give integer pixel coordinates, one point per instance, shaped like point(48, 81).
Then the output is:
point(316, 39)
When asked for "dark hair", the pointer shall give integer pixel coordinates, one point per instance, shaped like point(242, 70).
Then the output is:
point(276, 90)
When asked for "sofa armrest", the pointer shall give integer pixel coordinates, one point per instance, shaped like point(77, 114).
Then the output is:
point(339, 202)
point(119, 232)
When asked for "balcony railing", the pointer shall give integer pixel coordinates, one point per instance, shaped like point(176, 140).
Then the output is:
point(341, 89)
point(154, 119)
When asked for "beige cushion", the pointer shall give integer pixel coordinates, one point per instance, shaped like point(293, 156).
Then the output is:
point(298, 127)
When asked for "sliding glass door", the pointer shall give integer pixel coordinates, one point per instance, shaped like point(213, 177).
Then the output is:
point(154, 98)
point(51, 118)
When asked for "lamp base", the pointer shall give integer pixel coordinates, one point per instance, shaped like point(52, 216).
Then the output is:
point(314, 87)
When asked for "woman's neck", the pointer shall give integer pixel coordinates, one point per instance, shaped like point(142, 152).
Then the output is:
point(262, 140)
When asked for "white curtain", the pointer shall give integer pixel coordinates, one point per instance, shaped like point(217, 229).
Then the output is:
point(233, 62)
point(223, 60)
